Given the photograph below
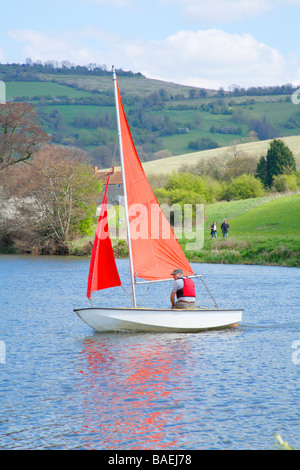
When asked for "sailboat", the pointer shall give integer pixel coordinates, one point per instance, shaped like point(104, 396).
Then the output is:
point(153, 256)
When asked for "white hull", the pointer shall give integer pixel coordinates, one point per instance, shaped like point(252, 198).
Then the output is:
point(160, 320)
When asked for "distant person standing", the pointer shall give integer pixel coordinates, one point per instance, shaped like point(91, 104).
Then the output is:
point(225, 228)
point(213, 230)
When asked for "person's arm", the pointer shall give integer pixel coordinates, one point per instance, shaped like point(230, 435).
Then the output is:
point(172, 298)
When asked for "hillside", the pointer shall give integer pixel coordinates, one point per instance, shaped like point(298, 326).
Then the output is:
point(254, 149)
point(273, 219)
point(76, 106)
point(262, 231)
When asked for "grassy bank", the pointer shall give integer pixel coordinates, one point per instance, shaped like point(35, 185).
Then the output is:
point(277, 252)
point(262, 231)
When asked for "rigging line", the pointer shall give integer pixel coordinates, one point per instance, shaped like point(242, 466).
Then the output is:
point(206, 287)
point(129, 297)
point(115, 151)
point(146, 291)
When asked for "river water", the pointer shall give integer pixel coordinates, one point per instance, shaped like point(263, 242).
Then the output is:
point(64, 386)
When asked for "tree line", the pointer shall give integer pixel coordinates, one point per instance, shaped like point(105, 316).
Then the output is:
point(31, 70)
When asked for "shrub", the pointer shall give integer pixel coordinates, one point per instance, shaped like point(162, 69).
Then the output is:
point(178, 196)
point(216, 190)
point(284, 183)
point(244, 187)
point(187, 182)
point(203, 144)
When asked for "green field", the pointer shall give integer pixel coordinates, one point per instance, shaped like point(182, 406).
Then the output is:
point(262, 231)
point(276, 218)
point(31, 89)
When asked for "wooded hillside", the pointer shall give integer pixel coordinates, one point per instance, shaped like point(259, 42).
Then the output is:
point(76, 106)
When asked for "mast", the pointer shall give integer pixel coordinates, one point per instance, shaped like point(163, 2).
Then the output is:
point(124, 189)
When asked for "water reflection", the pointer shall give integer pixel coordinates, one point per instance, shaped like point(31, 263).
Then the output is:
point(129, 390)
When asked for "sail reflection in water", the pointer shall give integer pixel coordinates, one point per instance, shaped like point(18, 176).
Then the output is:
point(130, 397)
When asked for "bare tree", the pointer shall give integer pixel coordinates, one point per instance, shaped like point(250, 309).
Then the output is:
point(20, 134)
point(52, 199)
point(239, 165)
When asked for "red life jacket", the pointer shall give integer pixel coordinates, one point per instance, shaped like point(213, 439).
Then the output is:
point(188, 289)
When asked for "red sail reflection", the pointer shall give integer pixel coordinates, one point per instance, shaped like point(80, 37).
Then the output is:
point(129, 393)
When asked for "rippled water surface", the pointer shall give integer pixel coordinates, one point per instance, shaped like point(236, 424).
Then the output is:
point(64, 386)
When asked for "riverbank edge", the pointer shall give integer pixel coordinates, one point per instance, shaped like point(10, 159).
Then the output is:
point(230, 251)
point(233, 251)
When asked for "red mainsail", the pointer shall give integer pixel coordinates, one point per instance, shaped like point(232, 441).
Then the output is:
point(103, 270)
point(155, 249)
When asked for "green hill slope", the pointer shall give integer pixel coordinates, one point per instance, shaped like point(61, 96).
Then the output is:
point(266, 234)
point(278, 218)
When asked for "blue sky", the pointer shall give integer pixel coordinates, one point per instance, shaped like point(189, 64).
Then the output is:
point(215, 43)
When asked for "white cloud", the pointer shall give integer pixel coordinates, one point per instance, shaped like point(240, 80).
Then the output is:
point(221, 10)
point(69, 46)
point(207, 58)
point(210, 58)
point(39, 46)
point(225, 11)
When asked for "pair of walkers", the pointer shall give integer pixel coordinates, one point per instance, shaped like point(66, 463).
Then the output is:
point(224, 228)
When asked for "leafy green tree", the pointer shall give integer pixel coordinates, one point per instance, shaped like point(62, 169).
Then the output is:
point(279, 160)
point(261, 170)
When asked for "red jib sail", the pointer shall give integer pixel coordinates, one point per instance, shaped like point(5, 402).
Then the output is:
point(103, 270)
point(155, 249)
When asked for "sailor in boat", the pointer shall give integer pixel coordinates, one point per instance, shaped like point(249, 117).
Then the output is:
point(184, 290)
